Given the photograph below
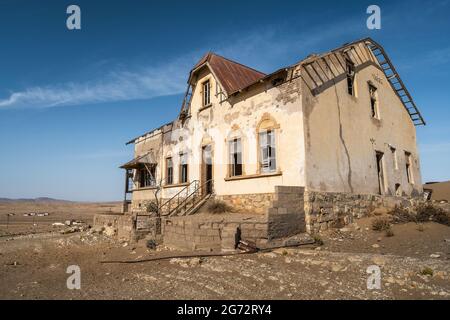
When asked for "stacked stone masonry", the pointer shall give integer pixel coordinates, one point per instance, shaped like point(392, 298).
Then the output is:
point(213, 233)
point(256, 203)
point(324, 210)
point(286, 216)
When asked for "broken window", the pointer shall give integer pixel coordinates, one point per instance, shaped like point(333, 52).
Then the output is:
point(409, 174)
point(267, 151)
point(380, 172)
point(147, 177)
point(374, 101)
point(169, 171)
point(350, 69)
point(183, 168)
point(206, 93)
point(235, 150)
point(394, 157)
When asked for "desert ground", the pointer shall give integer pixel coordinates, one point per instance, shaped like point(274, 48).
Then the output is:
point(414, 263)
point(58, 212)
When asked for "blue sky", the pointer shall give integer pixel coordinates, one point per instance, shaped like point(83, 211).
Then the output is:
point(69, 100)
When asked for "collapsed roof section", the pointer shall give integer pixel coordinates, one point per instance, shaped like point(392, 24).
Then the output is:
point(320, 69)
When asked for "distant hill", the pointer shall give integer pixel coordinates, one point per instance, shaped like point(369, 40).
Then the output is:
point(36, 200)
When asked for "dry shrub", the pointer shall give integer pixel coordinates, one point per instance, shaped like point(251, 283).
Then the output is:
point(318, 240)
point(401, 215)
point(151, 207)
point(429, 212)
point(427, 271)
point(217, 207)
point(421, 213)
point(381, 224)
point(389, 233)
point(442, 218)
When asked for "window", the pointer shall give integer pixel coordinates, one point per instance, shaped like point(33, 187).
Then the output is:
point(409, 174)
point(350, 70)
point(235, 150)
point(374, 101)
point(206, 93)
point(267, 151)
point(380, 171)
point(394, 157)
point(183, 168)
point(169, 171)
point(147, 177)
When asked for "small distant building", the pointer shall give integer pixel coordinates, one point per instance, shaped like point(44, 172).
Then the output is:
point(309, 146)
point(438, 191)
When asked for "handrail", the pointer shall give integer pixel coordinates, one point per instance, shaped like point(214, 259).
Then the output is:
point(177, 195)
point(197, 191)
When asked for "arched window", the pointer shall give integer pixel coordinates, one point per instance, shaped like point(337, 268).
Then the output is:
point(267, 144)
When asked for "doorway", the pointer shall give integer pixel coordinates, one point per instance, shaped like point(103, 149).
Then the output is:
point(380, 172)
point(207, 170)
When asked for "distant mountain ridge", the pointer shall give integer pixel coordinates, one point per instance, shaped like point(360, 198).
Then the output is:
point(39, 200)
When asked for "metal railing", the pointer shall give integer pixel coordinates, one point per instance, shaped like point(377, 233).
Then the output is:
point(174, 202)
point(192, 197)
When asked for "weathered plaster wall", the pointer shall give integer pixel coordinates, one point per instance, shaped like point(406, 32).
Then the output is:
point(342, 137)
point(239, 117)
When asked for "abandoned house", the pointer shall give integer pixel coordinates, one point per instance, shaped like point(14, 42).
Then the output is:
point(305, 148)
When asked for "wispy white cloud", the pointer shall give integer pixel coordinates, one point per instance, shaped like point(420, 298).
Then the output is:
point(118, 85)
point(261, 48)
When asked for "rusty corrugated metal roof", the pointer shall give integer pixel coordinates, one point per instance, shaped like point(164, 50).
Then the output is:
point(232, 75)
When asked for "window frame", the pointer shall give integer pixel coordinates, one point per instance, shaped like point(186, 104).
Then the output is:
point(234, 150)
point(183, 168)
point(350, 76)
point(145, 178)
point(206, 93)
point(408, 167)
point(271, 148)
point(394, 156)
point(169, 171)
point(374, 101)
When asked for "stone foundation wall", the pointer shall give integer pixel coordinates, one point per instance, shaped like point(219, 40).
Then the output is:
point(122, 224)
point(194, 233)
point(257, 203)
point(148, 226)
point(286, 217)
point(140, 206)
point(324, 210)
